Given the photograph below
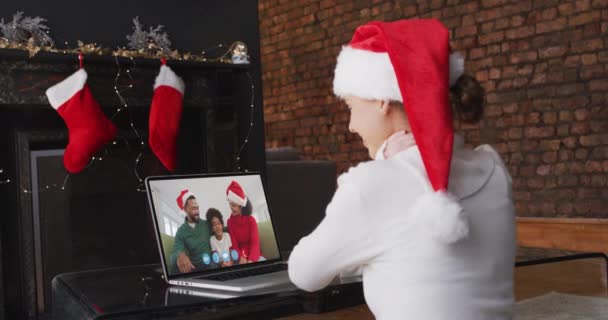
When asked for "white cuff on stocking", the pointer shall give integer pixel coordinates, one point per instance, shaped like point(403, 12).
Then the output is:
point(167, 77)
point(66, 89)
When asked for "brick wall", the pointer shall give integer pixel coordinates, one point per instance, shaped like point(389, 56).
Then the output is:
point(543, 63)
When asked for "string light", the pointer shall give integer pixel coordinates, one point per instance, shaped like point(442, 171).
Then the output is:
point(48, 187)
point(2, 179)
point(251, 115)
point(125, 106)
point(221, 58)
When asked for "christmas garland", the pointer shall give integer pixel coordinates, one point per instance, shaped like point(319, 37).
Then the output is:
point(32, 35)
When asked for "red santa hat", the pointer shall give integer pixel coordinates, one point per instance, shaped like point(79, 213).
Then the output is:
point(183, 197)
point(409, 61)
point(235, 194)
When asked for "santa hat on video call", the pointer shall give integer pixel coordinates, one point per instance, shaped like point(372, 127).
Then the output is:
point(409, 61)
point(235, 194)
point(183, 197)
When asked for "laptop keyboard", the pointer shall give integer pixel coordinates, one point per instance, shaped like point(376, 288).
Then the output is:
point(247, 273)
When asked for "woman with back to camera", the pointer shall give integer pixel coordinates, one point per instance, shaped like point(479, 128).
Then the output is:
point(429, 223)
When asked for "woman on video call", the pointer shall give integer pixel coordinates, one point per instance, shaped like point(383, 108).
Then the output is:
point(242, 226)
point(429, 223)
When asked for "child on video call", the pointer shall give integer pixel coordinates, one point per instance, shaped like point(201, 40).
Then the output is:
point(220, 240)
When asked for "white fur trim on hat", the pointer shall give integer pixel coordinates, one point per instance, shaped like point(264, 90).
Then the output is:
point(442, 216)
point(365, 74)
point(66, 89)
point(167, 77)
point(236, 199)
point(370, 75)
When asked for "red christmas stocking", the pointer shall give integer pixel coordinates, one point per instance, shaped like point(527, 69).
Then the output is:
point(165, 115)
point(88, 127)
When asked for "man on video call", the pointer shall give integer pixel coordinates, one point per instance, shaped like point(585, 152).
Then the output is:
point(191, 239)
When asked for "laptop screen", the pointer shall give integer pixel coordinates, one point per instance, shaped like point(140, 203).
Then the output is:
point(212, 222)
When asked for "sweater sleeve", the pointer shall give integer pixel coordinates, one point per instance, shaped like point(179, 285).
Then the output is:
point(341, 242)
point(178, 247)
point(254, 240)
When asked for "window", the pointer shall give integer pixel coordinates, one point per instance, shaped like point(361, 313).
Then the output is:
point(168, 225)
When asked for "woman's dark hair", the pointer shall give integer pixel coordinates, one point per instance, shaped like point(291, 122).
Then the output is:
point(467, 96)
point(247, 209)
point(213, 213)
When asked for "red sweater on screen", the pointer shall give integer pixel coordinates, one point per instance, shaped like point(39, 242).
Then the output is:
point(245, 237)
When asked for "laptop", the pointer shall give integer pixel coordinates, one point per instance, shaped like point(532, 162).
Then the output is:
point(215, 231)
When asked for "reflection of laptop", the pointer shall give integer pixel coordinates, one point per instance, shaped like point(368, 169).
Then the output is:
point(179, 231)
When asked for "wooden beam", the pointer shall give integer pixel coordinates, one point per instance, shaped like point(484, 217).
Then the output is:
point(574, 234)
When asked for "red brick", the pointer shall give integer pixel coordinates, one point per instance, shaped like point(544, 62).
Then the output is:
point(533, 118)
point(599, 4)
point(581, 154)
point(491, 38)
point(565, 116)
point(549, 117)
point(536, 183)
point(570, 142)
point(551, 52)
point(523, 57)
point(466, 31)
point(550, 26)
point(583, 18)
point(565, 9)
point(589, 58)
point(560, 168)
point(539, 132)
point(563, 130)
point(517, 21)
point(582, 5)
point(570, 89)
point(565, 155)
point(598, 85)
point(572, 61)
point(581, 114)
point(598, 180)
point(593, 166)
point(567, 181)
point(592, 72)
point(521, 32)
point(579, 128)
point(550, 157)
point(599, 126)
point(587, 45)
point(548, 145)
point(543, 170)
point(590, 140)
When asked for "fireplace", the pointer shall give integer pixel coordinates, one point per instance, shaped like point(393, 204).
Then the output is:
point(99, 218)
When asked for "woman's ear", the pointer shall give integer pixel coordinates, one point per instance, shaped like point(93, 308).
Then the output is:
point(385, 107)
